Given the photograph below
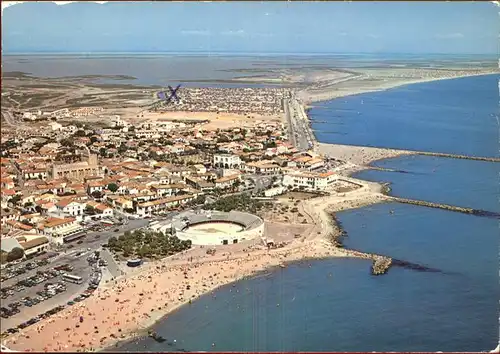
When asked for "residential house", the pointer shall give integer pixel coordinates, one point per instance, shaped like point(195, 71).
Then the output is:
point(70, 207)
point(226, 161)
point(262, 167)
point(148, 208)
point(227, 181)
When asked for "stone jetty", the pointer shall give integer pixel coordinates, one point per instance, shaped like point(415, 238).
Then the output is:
point(459, 209)
point(381, 265)
point(453, 156)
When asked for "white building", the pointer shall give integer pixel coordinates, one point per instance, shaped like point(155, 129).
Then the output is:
point(55, 126)
point(200, 169)
point(101, 210)
point(70, 207)
point(227, 161)
point(309, 180)
point(147, 208)
point(227, 181)
point(57, 230)
point(33, 244)
point(262, 167)
point(271, 192)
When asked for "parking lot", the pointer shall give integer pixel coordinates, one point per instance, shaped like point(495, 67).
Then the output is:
point(21, 304)
point(33, 289)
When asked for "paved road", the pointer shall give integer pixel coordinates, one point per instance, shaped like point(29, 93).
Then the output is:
point(9, 119)
point(113, 267)
point(303, 136)
point(290, 128)
point(95, 240)
point(297, 126)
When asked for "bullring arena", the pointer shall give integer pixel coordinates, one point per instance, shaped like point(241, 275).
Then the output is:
point(215, 227)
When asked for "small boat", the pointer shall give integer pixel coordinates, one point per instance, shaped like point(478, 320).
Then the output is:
point(391, 212)
point(282, 265)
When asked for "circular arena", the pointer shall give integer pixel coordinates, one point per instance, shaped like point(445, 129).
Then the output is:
point(217, 228)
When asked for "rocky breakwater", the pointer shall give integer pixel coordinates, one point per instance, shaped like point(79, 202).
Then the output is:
point(454, 208)
point(381, 265)
point(454, 156)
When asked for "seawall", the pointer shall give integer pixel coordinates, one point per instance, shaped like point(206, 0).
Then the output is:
point(454, 208)
point(454, 156)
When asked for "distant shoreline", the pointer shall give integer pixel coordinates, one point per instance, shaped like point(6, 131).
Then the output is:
point(365, 156)
point(327, 95)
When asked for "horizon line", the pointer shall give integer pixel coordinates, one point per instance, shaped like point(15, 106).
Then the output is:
point(46, 52)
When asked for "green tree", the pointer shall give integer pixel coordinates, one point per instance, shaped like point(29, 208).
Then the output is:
point(15, 254)
point(89, 210)
point(15, 199)
point(113, 187)
point(96, 194)
point(80, 133)
point(67, 142)
point(122, 149)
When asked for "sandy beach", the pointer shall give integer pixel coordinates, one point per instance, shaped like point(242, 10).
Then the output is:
point(125, 306)
point(374, 80)
point(360, 155)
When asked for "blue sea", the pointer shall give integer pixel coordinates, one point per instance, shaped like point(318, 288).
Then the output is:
point(458, 116)
point(335, 305)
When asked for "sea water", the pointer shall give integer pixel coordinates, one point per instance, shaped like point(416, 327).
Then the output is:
point(335, 305)
point(458, 116)
point(466, 183)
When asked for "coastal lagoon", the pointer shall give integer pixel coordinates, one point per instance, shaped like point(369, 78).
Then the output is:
point(335, 305)
point(172, 68)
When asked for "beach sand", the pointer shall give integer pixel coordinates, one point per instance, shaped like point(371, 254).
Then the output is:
point(125, 306)
point(373, 80)
point(130, 304)
point(361, 156)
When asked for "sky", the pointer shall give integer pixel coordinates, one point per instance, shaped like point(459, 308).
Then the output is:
point(258, 27)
